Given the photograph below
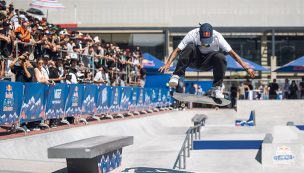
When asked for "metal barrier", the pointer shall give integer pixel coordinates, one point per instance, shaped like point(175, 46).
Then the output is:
point(192, 133)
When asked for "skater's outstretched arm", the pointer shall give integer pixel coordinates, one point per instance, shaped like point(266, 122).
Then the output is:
point(238, 59)
point(171, 58)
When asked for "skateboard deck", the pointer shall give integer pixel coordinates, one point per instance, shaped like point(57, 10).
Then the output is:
point(185, 97)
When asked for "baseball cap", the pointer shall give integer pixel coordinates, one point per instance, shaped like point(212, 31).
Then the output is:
point(206, 33)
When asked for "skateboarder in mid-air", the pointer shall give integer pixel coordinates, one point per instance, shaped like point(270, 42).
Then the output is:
point(200, 50)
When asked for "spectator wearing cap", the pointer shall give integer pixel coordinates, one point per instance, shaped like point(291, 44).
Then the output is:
point(72, 78)
point(45, 65)
point(54, 73)
point(59, 65)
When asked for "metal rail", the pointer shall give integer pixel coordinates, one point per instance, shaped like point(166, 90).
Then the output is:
point(192, 133)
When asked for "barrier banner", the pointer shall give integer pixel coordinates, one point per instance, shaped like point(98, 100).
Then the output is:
point(169, 99)
point(74, 100)
point(115, 99)
point(148, 97)
point(104, 96)
point(56, 100)
point(164, 93)
point(159, 98)
point(11, 94)
point(126, 98)
point(33, 108)
point(133, 101)
point(154, 97)
point(140, 99)
point(89, 99)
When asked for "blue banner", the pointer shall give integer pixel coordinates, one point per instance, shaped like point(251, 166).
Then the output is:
point(74, 100)
point(11, 94)
point(126, 98)
point(140, 99)
point(104, 96)
point(56, 101)
point(89, 100)
point(164, 93)
point(148, 99)
point(133, 101)
point(154, 97)
point(33, 102)
point(115, 99)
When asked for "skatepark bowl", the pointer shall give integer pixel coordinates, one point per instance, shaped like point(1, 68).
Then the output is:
point(268, 146)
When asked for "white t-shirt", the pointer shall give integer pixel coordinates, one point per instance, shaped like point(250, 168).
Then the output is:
point(41, 74)
point(100, 77)
point(194, 37)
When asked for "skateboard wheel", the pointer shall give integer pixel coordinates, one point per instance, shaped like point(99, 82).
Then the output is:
point(183, 105)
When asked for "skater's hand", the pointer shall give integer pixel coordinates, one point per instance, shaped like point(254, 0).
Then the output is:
point(251, 73)
point(164, 68)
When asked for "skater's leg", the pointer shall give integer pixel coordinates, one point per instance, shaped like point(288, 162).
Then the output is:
point(219, 68)
point(218, 62)
point(188, 56)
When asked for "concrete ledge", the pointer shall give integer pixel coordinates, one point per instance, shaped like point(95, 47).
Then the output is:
point(89, 148)
point(199, 119)
point(227, 145)
point(268, 139)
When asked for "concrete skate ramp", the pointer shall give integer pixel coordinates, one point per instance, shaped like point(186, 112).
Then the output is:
point(272, 112)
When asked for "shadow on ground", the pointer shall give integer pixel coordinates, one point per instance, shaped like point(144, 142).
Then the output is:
point(63, 170)
point(152, 170)
point(258, 157)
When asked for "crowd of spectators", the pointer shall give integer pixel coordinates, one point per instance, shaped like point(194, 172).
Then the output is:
point(272, 91)
point(33, 50)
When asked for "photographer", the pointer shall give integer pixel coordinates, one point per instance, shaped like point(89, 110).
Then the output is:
point(22, 68)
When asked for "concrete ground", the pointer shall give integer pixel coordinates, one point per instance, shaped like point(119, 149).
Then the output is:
point(158, 139)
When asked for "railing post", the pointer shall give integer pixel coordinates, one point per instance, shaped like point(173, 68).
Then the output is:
point(179, 162)
point(191, 140)
point(184, 157)
point(199, 132)
point(188, 140)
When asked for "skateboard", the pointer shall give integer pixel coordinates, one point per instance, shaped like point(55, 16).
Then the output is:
point(204, 99)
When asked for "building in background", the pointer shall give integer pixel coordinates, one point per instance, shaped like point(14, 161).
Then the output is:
point(253, 28)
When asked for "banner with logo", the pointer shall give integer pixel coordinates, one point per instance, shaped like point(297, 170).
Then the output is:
point(33, 108)
point(74, 100)
point(89, 99)
point(11, 94)
point(169, 99)
point(133, 101)
point(140, 99)
point(56, 100)
point(148, 98)
point(163, 96)
point(154, 97)
point(126, 98)
point(115, 99)
point(103, 99)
